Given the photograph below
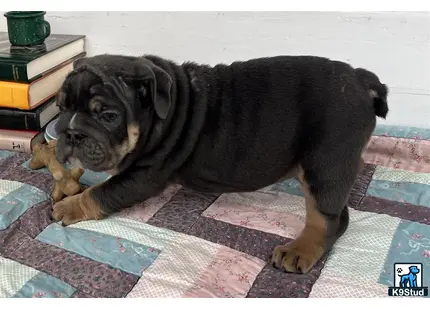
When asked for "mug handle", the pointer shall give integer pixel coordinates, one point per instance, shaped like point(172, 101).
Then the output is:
point(46, 29)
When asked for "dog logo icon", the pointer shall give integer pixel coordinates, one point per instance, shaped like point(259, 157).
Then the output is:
point(408, 280)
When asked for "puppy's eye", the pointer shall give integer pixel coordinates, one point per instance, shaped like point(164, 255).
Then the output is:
point(109, 116)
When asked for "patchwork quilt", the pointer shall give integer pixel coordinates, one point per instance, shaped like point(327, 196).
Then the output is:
point(188, 244)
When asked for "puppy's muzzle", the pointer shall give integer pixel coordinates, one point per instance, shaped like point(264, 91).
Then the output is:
point(74, 137)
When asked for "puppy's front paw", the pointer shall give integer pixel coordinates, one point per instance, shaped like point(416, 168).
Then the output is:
point(68, 210)
point(296, 256)
point(76, 208)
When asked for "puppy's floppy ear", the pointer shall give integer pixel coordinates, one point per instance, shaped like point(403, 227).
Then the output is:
point(79, 62)
point(61, 99)
point(61, 95)
point(62, 92)
point(159, 83)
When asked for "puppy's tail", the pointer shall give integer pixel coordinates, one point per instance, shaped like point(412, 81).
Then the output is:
point(377, 91)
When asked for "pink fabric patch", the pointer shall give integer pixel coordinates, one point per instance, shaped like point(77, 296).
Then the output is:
point(143, 212)
point(399, 153)
point(279, 223)
point(230, 275)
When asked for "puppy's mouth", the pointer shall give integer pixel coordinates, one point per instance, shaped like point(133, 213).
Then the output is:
point(87, 154)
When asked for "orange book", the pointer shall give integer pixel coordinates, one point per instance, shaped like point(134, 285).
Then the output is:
point(27, 96)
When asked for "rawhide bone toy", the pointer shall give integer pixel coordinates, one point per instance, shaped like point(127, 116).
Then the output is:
point(66, 182)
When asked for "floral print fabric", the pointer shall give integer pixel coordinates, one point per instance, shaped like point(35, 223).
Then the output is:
point(188, 244)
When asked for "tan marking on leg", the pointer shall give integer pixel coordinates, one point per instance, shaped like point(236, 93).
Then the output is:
point(77, 208)
point(301, 254)
point(361, 164)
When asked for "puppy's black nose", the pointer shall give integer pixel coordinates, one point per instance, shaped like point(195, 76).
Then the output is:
point(73, 137)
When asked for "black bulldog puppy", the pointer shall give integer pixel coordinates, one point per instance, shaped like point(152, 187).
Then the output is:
point(226, 128)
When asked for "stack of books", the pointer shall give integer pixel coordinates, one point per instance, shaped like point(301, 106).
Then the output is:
point(30, 78)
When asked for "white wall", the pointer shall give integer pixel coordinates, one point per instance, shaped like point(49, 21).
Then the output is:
point(394, 45)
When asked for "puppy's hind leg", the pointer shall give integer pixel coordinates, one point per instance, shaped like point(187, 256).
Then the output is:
point(326, 181)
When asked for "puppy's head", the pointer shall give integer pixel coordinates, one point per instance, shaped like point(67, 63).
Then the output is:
point(102, 104)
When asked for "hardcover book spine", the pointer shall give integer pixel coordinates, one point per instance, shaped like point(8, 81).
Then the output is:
point(14, 95)
point(16, 144)
point(20, 122)
point(13, 72)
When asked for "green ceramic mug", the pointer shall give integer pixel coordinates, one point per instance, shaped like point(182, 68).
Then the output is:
point(27, 28)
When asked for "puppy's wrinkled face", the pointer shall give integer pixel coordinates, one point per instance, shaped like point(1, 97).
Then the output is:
point(93, 129)
point(104, 104)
